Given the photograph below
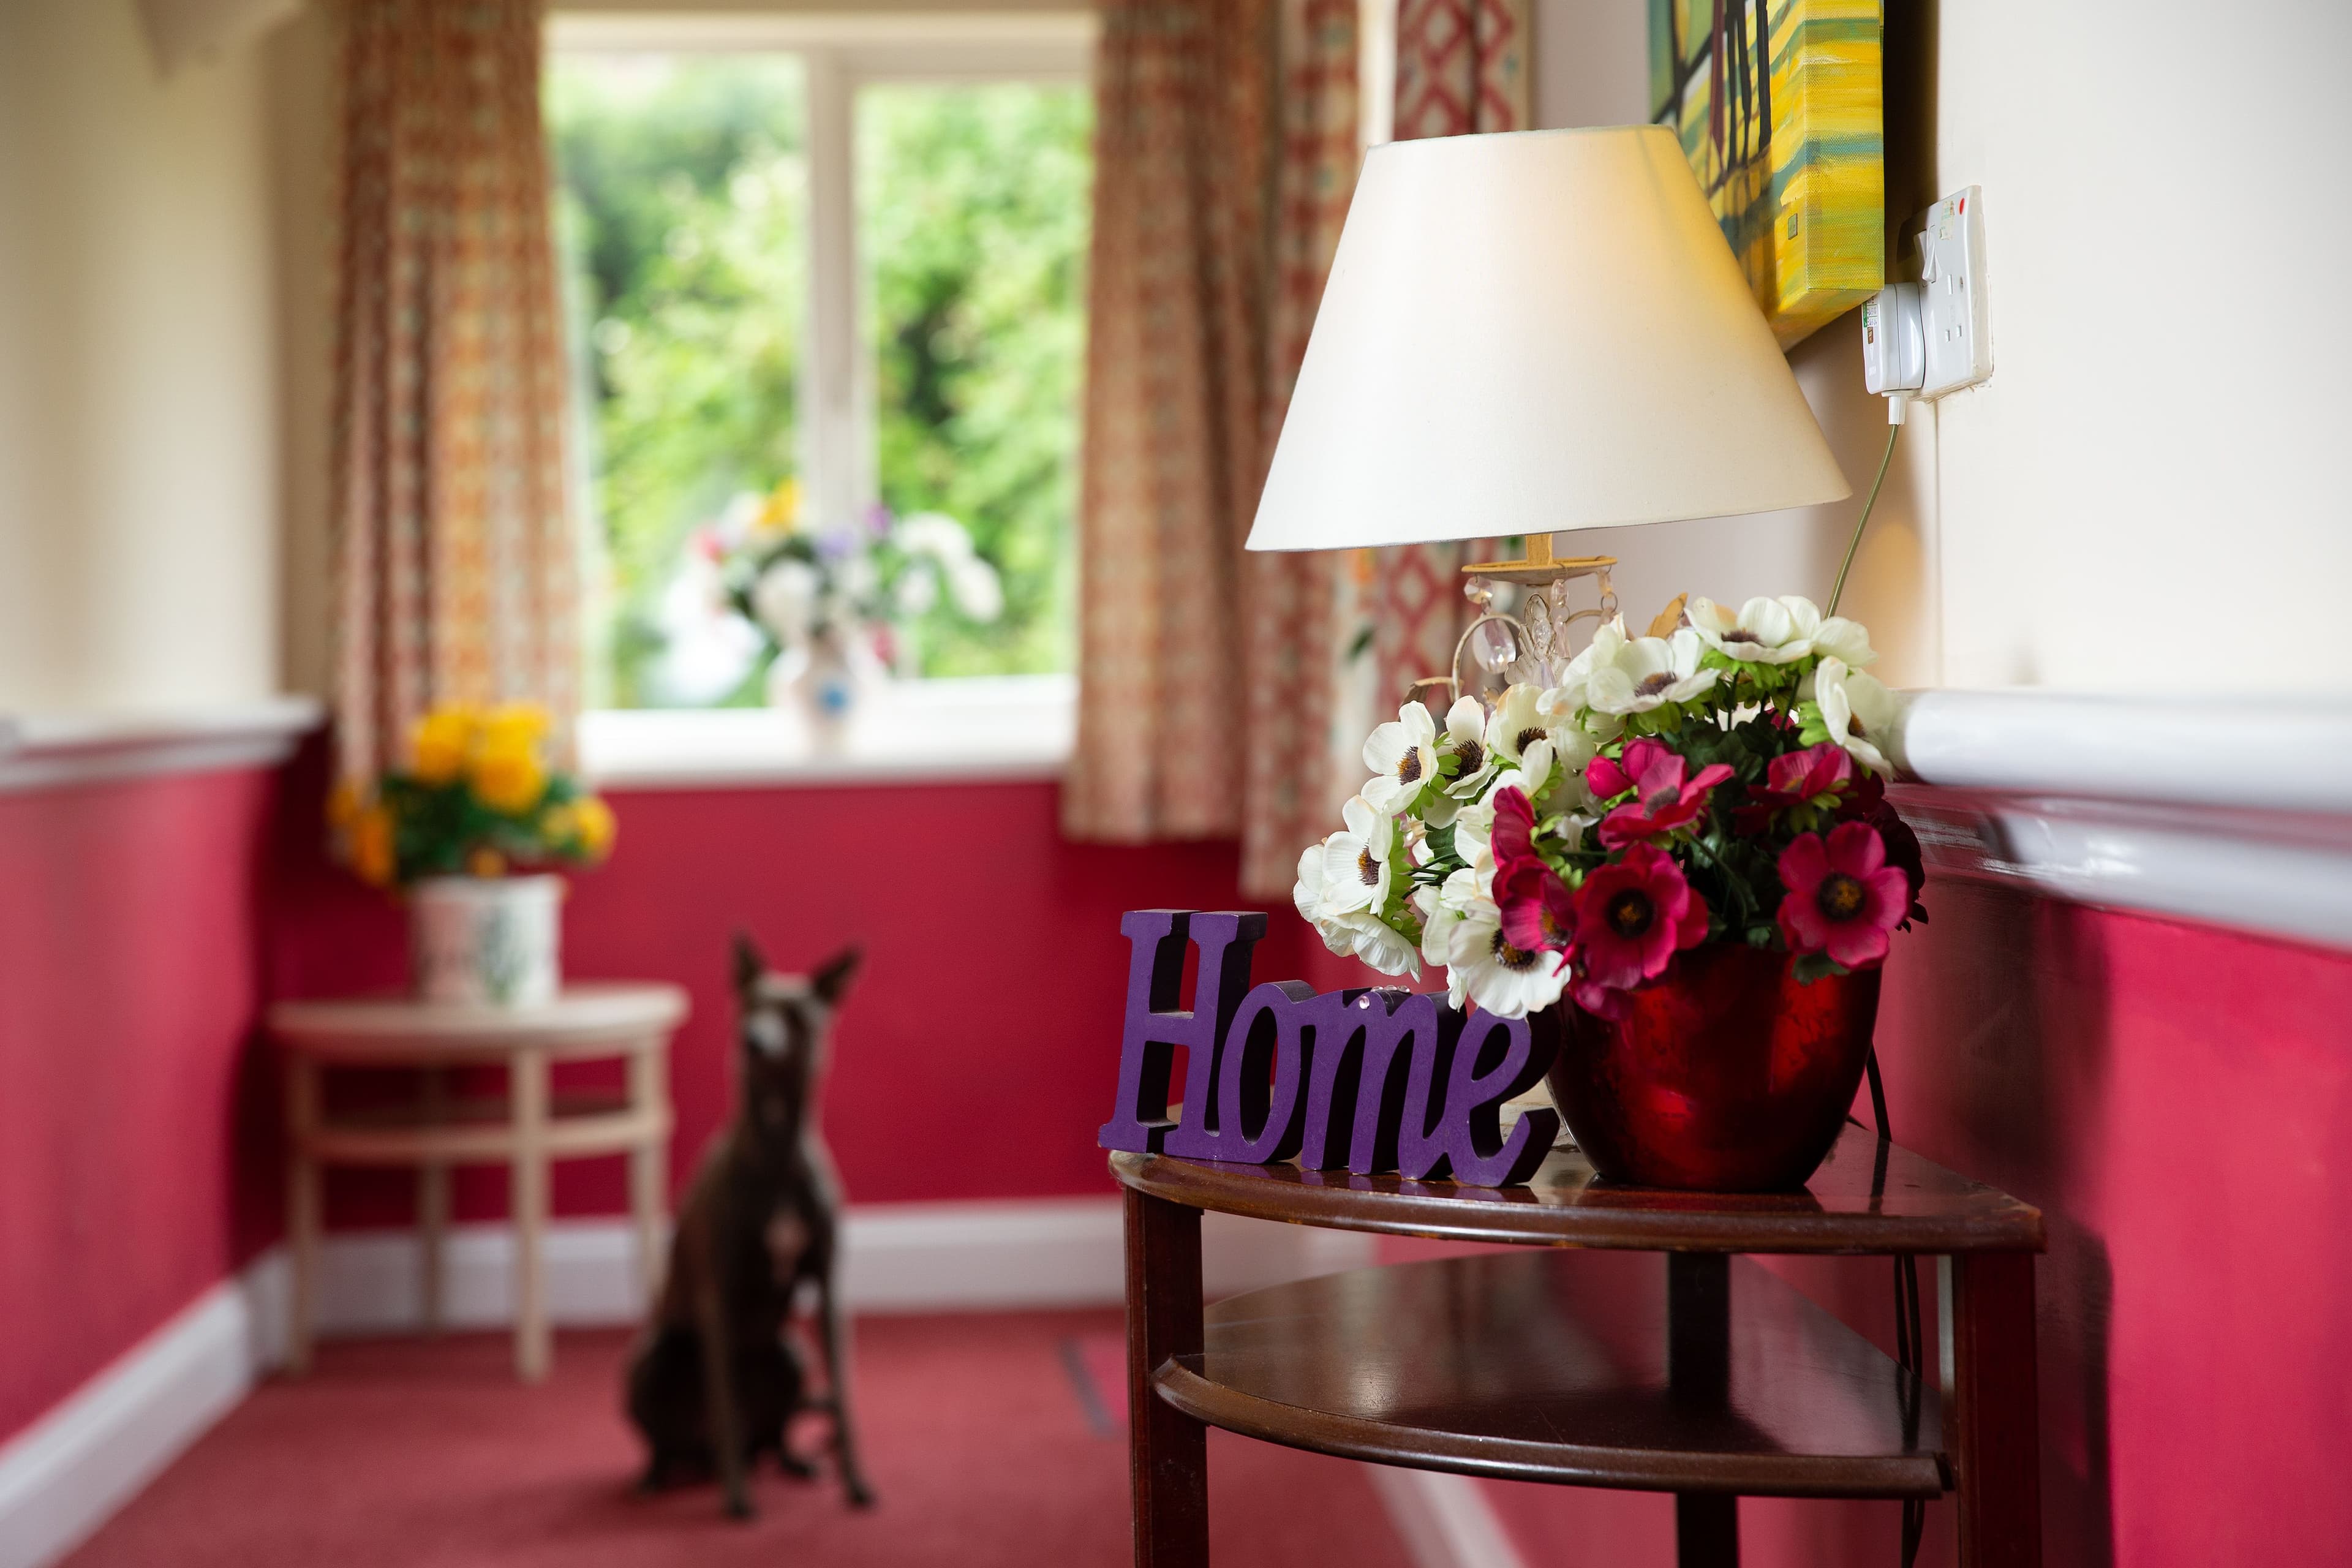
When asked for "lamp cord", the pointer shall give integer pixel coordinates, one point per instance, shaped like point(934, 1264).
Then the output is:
point(1837, 589)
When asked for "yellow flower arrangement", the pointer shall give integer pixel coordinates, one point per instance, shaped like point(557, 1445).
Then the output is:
point(477, 798)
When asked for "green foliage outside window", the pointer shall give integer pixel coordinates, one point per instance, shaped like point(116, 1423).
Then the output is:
point(682, 217)
point(974, 217)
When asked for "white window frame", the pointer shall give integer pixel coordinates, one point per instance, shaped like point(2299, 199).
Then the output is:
point(997, 726)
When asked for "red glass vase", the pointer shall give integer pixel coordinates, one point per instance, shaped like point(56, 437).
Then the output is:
point(1728, 1075)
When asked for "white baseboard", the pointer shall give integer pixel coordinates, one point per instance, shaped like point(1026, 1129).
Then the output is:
point(1443, 1519)
point(62, 1477)
point(899, 1257)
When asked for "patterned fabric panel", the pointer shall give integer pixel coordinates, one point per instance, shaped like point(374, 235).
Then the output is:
point(1462, 67)
point(455, 551)
point(1300, 606)
point(1174, 419)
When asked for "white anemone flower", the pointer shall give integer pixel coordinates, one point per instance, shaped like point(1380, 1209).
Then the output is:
point(1532, 774)
point(1501, 979)
point(1355, 932)
point(1762, 631)
point(1356, 862)
point(1649, 672)
point(1573, 694)
point(1519, 722)
point(1442, 908)
point(1402, 756)
point(1861, 714)
point(1841, 638)
point(1473, 825)
point(1380, 945)
point(1465, 741)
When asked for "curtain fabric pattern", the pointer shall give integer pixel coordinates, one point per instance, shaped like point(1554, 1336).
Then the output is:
point(1462, 67)
point(1226, 152)
point(1175, 381)
point(1300, 606)
point(455, 551)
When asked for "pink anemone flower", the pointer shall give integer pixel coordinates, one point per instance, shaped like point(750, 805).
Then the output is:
point(1793, 779)
point(1662, 800)
point(1538, 910)
point(1631, 918)
point(1844, 897)
point(1514, 834)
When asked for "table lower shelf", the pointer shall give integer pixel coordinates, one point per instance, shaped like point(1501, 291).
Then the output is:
point(1554, 1366)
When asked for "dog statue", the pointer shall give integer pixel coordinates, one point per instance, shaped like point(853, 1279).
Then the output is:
point(715, 1380)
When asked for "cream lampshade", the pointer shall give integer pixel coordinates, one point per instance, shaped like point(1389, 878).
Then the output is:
point(1530, 333)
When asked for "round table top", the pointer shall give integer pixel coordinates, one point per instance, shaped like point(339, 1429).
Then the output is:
point(388, 1028)
point(1868, 1196)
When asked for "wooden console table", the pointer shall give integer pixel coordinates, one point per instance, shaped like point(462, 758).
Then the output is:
point(1705, 1376)
point(526, 1130)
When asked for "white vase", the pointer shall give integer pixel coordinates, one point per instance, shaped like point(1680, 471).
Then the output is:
point(826, 679)
point(488, 941)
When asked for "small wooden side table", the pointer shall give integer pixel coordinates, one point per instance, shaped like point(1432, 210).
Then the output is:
point(526, 1129)
point(1576, 1363)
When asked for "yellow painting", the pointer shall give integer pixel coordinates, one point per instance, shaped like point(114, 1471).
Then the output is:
point(1777, 104)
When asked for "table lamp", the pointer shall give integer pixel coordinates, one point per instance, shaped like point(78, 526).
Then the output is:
point(1529, 332)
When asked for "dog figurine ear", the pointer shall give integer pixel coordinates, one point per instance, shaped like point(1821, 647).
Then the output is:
point(831, 982)
point(748, 963)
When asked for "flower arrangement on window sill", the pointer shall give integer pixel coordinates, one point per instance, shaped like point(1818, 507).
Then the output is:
point(836, 604)
point(1723, 784)
point(475, 799)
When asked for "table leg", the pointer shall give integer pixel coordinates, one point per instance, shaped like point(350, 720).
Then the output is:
point(527, 1095)
point(1995, 1411)
point(1698, 1372)
point(302, 1208)
point(433, 1206)
point(648, 1168)
point(1168, 1453)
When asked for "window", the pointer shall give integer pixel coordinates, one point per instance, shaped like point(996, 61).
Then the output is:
point(822, 264)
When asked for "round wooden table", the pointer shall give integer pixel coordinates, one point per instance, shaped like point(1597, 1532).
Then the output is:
point(526, 1129)
point(1576, 1362)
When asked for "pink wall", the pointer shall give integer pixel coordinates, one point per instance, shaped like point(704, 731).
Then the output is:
point(142, 925)
point(974, 1060)
point(134, 1173)
point(2175, 1100)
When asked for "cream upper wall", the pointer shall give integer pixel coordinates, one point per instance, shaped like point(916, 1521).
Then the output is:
point(139, 448)
point(2159, 439)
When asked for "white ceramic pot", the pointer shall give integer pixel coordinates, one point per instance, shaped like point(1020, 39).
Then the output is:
point(827, 679)
point(493, 940)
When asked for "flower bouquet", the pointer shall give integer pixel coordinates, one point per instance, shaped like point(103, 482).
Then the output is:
point(837, 604)
point(460, 827)
point(1678, 859)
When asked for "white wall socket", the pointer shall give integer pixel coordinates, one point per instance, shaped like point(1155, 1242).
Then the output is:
point(1955, 320)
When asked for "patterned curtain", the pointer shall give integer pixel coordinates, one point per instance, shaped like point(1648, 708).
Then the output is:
point(1175, 387)
point(1225, 151)
point(455, 552)
point(1462, 67)
point(1299, 605)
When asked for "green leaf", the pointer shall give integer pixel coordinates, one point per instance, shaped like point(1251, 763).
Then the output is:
point(1813, 966)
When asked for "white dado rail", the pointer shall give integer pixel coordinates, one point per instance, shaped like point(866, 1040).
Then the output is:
point(50, 751)
point(2228, 813)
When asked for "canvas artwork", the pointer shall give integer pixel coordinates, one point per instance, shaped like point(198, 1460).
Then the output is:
point(1778, 106)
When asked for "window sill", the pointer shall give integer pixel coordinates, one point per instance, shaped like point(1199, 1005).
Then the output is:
point(1007, 728)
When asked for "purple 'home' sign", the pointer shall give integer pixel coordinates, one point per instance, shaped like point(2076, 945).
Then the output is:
point(1360, 1080)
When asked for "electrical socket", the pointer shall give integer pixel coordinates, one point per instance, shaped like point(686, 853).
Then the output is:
point(1956, 322)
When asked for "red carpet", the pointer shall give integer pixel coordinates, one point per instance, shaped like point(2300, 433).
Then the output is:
point(982, 1436)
